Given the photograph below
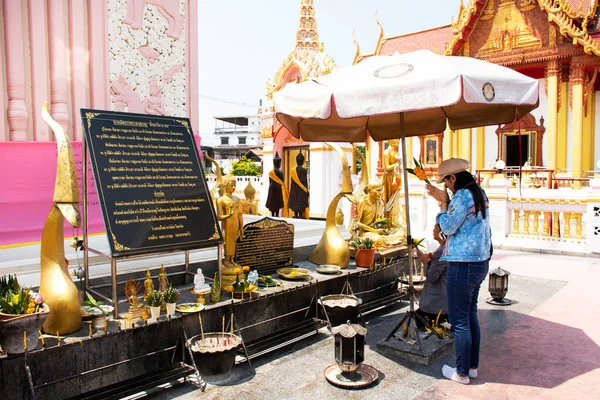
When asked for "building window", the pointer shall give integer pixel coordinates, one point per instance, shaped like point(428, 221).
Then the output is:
point(224, 141)
point(242, 140)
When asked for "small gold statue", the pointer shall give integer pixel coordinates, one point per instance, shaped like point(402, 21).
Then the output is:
point(148, 284)
point(249, 203)
point(132, 288)
point(163, 281)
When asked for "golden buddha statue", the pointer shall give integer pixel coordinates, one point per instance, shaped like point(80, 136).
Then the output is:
point(391, 182)
point(148, 284)
point(372, 223)
point(230, 213)
point(249, 205)
point(163, 281)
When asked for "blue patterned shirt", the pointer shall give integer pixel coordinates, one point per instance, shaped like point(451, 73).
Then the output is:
point(469, 235)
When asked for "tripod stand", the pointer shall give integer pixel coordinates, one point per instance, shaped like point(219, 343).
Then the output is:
point(411, 315)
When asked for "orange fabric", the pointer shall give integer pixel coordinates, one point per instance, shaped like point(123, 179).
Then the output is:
point(284, 193)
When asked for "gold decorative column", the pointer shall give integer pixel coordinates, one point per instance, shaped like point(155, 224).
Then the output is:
point(589, 97)
point(552, 69)
point(563, 120)
point(536, 222)
point(567, 225)
point(555, 225)
point(577, 77)
point(526, 222)
point(578, 217)
point(480, 151)
point(546, 226)
point(515, 230)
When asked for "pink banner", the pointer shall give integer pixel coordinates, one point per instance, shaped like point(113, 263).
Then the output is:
point(27, 178)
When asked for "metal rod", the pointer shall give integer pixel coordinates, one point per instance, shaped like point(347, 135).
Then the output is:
point(187, 261)
point(84, 220)
point(220, 262)
point(407, 207)
point(98, 252)
point(113, 273)
point(96, 293)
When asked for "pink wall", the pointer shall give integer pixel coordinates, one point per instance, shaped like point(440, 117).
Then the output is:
point(58, 51)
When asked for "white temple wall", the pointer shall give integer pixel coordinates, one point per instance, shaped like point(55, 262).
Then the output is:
point(491, 145)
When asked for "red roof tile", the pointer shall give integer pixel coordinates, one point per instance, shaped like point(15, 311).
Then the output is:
point(434, 39)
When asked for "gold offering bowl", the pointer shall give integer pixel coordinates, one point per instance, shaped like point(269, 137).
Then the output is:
point(201, 295)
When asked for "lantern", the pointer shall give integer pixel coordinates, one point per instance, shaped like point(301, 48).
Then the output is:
point(498, 287)
point(349, 372)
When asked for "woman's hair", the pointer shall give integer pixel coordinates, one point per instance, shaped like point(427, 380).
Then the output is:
point(464, 180)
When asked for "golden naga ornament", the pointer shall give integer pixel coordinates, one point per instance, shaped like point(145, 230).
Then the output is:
point(332, 249)
point(56, 284)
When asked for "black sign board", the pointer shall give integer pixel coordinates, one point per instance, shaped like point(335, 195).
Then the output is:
point(267, 244)
point(150, 184)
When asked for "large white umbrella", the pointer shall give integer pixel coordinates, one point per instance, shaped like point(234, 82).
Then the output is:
point(430, 90)
point(412, 94)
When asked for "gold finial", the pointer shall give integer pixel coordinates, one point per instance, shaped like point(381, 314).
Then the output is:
point(307, 35)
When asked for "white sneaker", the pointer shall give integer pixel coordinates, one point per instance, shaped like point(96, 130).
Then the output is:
point(473, 373)
point(451, 374)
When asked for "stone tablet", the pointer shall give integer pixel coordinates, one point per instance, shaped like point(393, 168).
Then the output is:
point(267, 244)
point(151, 187)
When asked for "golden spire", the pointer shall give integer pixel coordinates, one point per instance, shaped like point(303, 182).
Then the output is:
point(307, 35)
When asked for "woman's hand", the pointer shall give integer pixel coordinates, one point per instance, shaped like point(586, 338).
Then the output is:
point(439, 195)
point(424, 258)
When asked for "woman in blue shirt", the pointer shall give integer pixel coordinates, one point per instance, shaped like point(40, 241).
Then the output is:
point(464, 220)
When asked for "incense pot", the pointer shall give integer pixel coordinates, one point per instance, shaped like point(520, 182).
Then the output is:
point(214, 353)
point(56, 284)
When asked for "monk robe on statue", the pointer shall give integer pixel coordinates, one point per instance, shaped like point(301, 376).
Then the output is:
point(299, 189)
point(278, 196)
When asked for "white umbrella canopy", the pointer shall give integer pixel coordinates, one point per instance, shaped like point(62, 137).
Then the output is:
point(427, 89)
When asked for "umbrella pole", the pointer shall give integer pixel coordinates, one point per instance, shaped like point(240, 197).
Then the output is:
point(411, 316)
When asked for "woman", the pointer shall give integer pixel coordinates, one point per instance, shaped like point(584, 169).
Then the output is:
point(464, 220)
point(433, 300)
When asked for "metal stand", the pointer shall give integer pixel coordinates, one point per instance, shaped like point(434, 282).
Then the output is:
point(113, 260)
point(410, 315)
point(239, 333)
point(186, 346)
point(28, 375)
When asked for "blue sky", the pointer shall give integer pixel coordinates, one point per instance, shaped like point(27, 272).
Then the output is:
point(243, 42)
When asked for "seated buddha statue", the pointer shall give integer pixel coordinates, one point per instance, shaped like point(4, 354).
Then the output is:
point(370, 213)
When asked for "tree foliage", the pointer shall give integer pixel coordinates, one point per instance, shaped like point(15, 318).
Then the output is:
point(245, 167)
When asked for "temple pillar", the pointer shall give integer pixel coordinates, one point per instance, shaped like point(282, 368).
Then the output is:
point(588, 131)
point(563, 119)
point(38, 50)
point(456, 143)
point(98, 51)
point(466, 139)
point(552, 120)
point(480, 150)
point(577, 75)
point(58, 41)
point(409, 150)
point(447, 146)
point(79, 66)
point(14, 38)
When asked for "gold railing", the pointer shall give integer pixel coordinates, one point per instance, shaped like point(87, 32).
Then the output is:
point(557, 225)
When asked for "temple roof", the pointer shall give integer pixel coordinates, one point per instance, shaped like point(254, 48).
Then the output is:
point(433, 39)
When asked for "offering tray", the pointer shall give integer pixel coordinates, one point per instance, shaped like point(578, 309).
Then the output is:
point(293, 273)
point(363, 377)
point(271, 283)
point(185, 308)
point(329, 269)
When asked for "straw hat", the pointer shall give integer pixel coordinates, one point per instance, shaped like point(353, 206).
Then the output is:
point(452, 166)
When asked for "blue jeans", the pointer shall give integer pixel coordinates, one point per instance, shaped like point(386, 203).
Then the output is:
point(464, 280)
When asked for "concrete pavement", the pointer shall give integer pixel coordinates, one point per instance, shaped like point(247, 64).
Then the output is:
point(545, 345)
